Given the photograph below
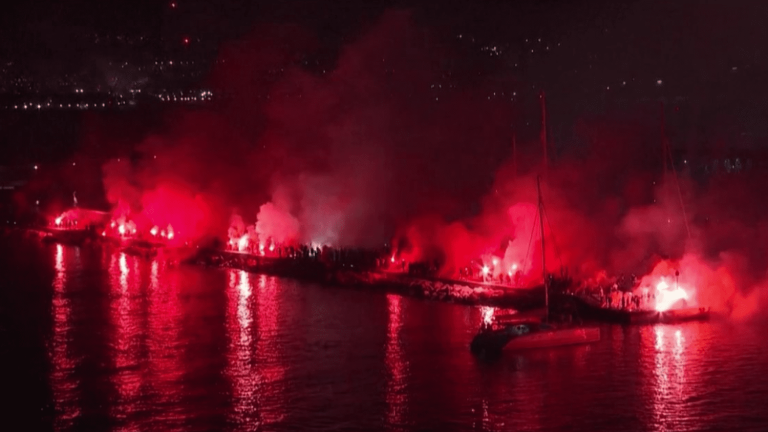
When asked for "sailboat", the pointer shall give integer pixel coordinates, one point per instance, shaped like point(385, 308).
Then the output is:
point(517, 332)
point(591, 308)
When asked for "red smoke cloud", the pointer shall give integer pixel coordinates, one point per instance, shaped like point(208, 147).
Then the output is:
point(368, 148)
point(340, 157)
point(611, 211)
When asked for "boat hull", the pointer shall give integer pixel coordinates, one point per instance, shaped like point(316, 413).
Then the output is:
point(554, 338)
point(494, 341)
point(69, 237)
point(619, 316)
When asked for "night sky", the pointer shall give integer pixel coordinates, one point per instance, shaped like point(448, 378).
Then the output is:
point(587, 54)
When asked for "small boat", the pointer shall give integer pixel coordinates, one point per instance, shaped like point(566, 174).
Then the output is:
point(514, 332)
point(66, 236)
point(530, 334)
point(590, 309)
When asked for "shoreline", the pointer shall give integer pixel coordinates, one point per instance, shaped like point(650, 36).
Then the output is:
point(313, 270)
point(437, 289)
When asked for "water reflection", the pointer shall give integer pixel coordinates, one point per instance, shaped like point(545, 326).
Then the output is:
point(669, 386)
point(165, 372)
point(137, 345)
point(240, 365)
point(127, 340)
point(268, 351)
point(397, 366)
point(255, 365)
point(64, 382)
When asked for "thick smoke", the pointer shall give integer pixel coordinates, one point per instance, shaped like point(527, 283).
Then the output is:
point(349, 155)
point(338, 157)
point(610, 210)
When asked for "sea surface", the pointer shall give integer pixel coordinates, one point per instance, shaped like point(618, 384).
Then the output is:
point(93, 339)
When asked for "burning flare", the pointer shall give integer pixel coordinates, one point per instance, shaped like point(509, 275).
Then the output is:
point(242, 244)
point(666, 296)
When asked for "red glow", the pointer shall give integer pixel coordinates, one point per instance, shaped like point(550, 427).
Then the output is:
point(121, 229)
point(186, 41)
point(667, 296)
point(485, 270)
point(124, 312)
point(63, 380)
point(242, 244)
point(153, 231)
point(269, 350)
point(392, 259)
point(397, 366)
point(58, 220)
point(241, 369)
point(487, 313)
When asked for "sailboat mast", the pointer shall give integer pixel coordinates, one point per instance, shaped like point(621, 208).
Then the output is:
point(514, 155)
point(543, 251)
point(663, 134)
point(543, 134)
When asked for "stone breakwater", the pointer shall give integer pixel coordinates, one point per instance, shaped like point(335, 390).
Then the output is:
point(332, 274)
point(349, 277)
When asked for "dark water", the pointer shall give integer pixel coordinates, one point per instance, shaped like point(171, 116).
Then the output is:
point(94, 340)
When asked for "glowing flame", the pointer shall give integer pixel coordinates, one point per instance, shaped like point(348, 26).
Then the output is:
point(103, 233)
point(121, 229)
point(58, 220)
point(667, 296)
point(392, 259)
point(271, 247)
point(153, 231)
point(242, 244)
point(112, 224)
point(261, 248)
point(485, 270)
point(170, 232)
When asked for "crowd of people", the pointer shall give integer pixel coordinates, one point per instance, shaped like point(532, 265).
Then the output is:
point(343, 257)
point(624, 294)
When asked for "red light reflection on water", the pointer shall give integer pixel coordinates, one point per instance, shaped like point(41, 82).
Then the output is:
point(64, 383)
point(397, 366)
point(269, 351)
point(123, 272)
point(668, 382)
point(240, 367)
point(145, 346)
point(255, 365)
point(164, 347)
point(125, 312)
